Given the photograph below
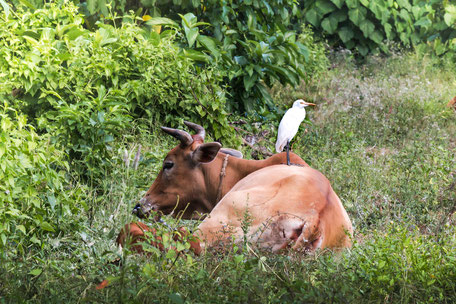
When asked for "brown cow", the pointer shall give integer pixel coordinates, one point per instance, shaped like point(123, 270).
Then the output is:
point(275, 208)
point(288, 205)
point(195, 176)
point(284, 206)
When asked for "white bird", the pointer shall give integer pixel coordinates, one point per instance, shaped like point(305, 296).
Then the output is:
point(289, 125)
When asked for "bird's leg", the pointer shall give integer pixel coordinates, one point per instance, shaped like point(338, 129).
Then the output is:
point(288, 152)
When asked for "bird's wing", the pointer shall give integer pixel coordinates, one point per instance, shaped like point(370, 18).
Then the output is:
point(289, 126)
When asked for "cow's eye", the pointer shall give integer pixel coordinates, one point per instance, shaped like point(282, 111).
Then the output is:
point(168, 165)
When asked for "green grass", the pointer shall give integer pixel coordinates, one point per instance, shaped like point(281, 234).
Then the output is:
point(384, 138)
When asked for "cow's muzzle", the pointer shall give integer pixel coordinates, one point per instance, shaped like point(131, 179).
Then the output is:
point(143, 210)
point(137, 210)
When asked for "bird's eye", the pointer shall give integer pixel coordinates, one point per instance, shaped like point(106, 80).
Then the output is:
point(168, 165)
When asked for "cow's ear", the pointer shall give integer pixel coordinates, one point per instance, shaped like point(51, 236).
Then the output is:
point(206, 153)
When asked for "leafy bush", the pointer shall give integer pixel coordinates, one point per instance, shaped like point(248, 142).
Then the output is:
point(366, 25)
point(253, 42)
point(86, 87)
point(33, 185)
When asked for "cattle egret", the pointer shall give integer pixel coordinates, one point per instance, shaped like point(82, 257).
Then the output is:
point(289, 125)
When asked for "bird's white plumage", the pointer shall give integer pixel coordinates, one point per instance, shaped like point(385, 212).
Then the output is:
point(290, 123)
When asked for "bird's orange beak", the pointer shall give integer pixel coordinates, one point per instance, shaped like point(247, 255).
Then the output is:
point(305, 103)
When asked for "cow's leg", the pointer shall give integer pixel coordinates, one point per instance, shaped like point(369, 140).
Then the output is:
point(288, 152)
point(310, 237)
point(133, 234)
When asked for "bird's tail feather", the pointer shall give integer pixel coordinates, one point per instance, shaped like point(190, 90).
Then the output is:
point(279, 146)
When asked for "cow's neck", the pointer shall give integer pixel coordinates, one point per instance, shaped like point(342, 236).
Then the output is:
point(236, 169)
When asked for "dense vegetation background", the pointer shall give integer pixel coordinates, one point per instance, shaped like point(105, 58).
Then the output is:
point(85, 85)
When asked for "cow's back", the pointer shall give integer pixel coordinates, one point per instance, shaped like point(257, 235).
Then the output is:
point(281, 206)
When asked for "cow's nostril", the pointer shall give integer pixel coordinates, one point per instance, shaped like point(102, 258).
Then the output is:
point(137, 210)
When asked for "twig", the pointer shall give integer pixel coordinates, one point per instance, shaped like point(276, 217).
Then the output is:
point(261, 150)
point(240, 129)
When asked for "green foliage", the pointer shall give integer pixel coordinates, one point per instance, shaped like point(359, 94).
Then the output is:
point(366, 25)
point(253, 41)
point(85, 88)
point(34, 196)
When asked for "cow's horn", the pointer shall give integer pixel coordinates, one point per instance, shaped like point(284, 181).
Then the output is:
point(199, 130)
point(184, 137)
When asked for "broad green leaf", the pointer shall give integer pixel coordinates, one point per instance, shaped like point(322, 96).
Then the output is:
point(376, 36)
point(363, 50)
point(241, 60)
point(405, 15)
point(196, 55)
point(5, 124)
point(108, 41)
point(417, 12)
point(74, 33)
point(48, 227)
point(424, 22)
point(92, 6)
point(249, 81)
point(52, 201)
point(304, 50)
point(191, 35)
point(31, 40)
point(367, 27)
point(450, 15)
point(313, 17)
point(352, 3)
point(340, 16)
point(365, 2)
point(346, 34)
point(356, 15)
point(338, 3)
point(324, 7)
point(416, 39)
point(439, 47)
point(21, 228)
point(405, 4)
point(404, 38)
point(210, 44)
point(329, 24)
point(188, 20)
point(388, 29)
point(376, 9)
point(32, 34)
point(103, 7)
point(161, 21)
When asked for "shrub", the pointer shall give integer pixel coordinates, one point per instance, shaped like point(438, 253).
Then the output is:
point(253, 42)
point(33, 185)
point(366, 25)
point(86, 87)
